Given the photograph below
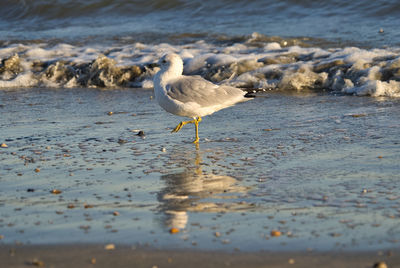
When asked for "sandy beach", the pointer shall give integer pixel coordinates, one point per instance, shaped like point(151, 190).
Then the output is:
point(96, 256)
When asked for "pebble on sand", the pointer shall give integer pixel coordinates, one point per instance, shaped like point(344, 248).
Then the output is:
point(109, 247)
point(38, 263)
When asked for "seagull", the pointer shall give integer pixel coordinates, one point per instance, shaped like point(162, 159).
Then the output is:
point(190, 96)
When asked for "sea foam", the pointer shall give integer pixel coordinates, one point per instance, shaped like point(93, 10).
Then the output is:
point(250, 64)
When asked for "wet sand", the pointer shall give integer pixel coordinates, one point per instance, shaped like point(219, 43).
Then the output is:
point(95, 256)
point(282, 173)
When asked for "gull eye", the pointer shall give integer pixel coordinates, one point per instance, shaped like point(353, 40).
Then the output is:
point(164, 61)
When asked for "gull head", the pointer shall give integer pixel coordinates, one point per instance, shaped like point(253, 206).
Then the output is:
point(171, 63)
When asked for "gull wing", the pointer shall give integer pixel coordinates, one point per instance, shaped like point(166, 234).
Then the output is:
point(196, 89)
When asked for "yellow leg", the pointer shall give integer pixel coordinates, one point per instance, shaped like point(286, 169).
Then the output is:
point(181, 124)
point(196, 125)
point(195, 121)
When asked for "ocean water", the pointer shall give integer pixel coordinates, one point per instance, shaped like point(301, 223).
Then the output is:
point(336, 21)
point(334, 46)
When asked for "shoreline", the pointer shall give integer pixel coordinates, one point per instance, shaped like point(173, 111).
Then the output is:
point(95, 255)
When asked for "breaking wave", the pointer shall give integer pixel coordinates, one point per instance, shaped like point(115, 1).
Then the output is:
point(256, 63)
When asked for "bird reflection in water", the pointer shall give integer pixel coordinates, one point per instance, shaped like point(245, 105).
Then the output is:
point(194, 190)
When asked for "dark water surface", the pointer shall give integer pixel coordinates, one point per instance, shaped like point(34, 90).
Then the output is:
point(340, 21)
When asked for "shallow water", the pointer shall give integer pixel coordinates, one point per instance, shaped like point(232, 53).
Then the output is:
point(320, 168)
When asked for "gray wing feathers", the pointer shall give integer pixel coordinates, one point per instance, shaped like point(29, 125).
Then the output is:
point(196, 89)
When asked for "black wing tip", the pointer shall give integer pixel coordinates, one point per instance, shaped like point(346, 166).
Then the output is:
point(249, 95)
point(251, 92)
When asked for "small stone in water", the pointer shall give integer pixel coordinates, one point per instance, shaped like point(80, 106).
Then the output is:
point(174, 230)
point(380, 264)
point(110, 113)
point(358, 115)
point(55, 191)
point(141, 133)
point(3, 145)
point(335, 234)
point(276, 233)
point(37, 170)
point(122, 141)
